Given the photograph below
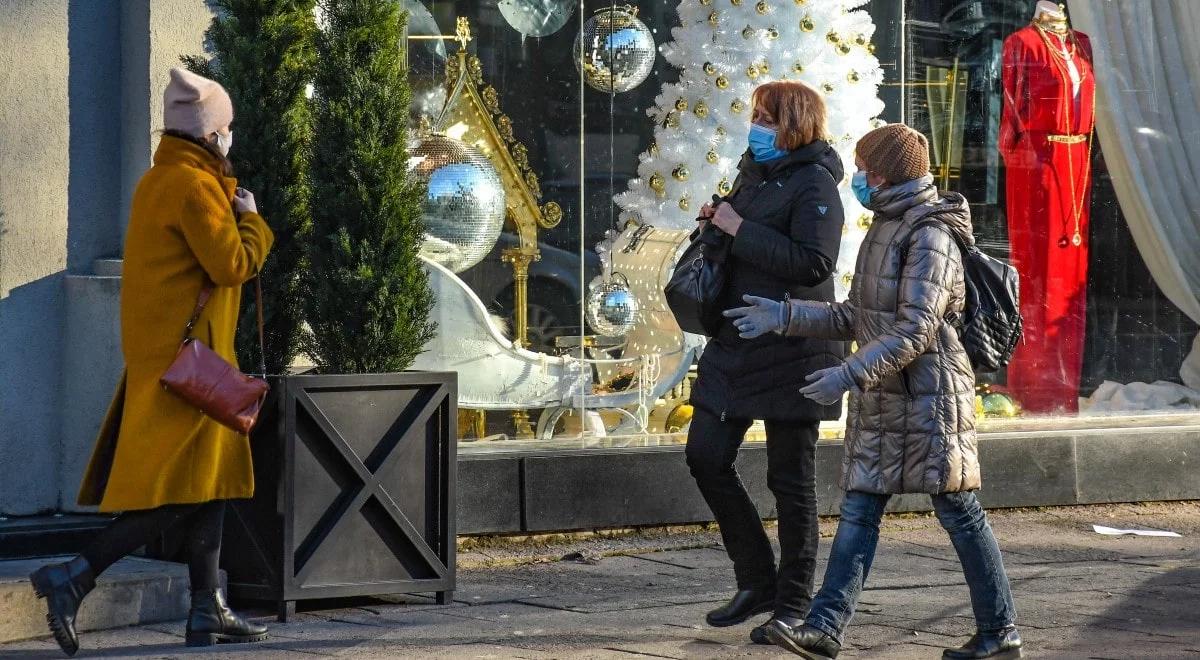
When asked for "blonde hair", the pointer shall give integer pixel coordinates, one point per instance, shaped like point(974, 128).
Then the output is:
point(798, 110)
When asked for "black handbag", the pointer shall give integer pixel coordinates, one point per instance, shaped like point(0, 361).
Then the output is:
point(698, 281)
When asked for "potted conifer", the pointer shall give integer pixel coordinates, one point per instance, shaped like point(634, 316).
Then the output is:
point(355, 460)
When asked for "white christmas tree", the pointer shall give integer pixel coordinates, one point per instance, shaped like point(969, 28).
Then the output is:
point(726, 48)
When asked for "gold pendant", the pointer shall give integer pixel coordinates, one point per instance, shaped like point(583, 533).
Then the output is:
point(1077, 239)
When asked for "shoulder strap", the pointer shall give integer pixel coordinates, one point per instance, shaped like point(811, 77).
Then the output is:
point(201, 300)
point(206, 292)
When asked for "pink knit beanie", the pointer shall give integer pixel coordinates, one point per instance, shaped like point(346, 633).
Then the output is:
point(195, 105)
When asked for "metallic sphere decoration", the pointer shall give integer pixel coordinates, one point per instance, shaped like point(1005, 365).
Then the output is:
point(464, 206)
point(612, 309)
point(537, 18)
point(615, 52)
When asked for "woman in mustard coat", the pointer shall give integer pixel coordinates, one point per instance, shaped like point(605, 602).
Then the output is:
point(159, 460)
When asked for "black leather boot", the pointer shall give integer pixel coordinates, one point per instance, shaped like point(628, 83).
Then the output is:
point(211, 621)
point(759, 634)
point(1000, 644)
point(64, 586)
point(805, 641)
point(744, 604)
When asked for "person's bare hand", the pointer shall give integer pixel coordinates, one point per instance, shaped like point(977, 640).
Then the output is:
point(243, 201)
point(727, 220)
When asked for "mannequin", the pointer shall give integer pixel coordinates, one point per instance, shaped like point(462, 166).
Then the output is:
point(1046, 130)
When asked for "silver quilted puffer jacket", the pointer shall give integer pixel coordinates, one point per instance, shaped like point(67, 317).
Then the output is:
point(911, 426)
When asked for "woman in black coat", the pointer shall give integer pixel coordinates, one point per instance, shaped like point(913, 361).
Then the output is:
point(784, 223)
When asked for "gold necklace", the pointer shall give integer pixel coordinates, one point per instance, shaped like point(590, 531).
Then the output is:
point(1064, 72)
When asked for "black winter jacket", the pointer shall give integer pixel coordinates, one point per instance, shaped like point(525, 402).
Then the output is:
point(787, 246)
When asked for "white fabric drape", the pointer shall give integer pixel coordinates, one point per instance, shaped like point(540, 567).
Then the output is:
point(1147, 64)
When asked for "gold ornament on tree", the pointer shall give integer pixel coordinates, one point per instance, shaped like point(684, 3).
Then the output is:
point(722, 82)
point(714, 19)
point(832, 37)
point(724, 187)
point(797, 68)
point(701, 110)
point(843, 48)
point(752, 72)
point(772, 33)
point(685, 204)
point(657, 183)
point(710, 68)
point(853, 76)
point(828, 87)
point(860, 39)
point(748, 32)
point(807, 25)
point(762, 7)
point(680, 173)
point(711, 157)
point(864, 221)
point(737, 106)
point(681, 104)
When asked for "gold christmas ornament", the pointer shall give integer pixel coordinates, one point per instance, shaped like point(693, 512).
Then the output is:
point(864, 221)
point(657, 183)
point(721, 131)
point(748, 32)
point(801, 2)
point(828, 87)
point(672, 120)
point(752, 72)
point(832, 37)
point(680, 173)
point(878, 123)
point(722, 82)
point(724, 187)
point(843, 48)
point(711, 157)
point(807, 25)
point(736, 3)
point(678, 418)
point(860, 39)
point(706, 2)
point(737, 106)
point(798, 68)
point(762, 7)
point(714, 19)
point(701, 110)
point(684, 204)
point(853, 76)
point(772, 33)
point(847, 279)
point(998, 404)
point(681, 104)
point(871, 48)
point(653, 148)
point(710, 68)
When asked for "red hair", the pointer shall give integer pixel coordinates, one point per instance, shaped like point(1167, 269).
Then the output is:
point(798, 111)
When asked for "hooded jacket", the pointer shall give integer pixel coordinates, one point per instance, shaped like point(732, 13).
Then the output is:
point(787, 246)
point(911, 426)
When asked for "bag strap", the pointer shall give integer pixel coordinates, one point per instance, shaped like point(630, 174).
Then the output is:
point(202, 301)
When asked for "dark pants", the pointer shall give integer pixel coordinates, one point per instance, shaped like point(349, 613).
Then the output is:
point(133, 529)
point(854, 549)
point(712, 448)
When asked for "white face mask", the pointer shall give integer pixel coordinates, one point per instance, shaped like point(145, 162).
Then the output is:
point(225, 142)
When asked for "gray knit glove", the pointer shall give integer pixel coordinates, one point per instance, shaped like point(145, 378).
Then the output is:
point(762, 316)
point(827, 386)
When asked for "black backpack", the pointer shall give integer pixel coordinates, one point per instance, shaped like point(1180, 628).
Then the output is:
point(990, 325)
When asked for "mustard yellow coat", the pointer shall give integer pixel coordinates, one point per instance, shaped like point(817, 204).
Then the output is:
point(153, 448)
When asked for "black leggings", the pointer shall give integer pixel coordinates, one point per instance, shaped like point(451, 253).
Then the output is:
point(134, 529)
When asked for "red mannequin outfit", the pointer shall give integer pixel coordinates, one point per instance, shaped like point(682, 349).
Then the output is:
point(1045, 139)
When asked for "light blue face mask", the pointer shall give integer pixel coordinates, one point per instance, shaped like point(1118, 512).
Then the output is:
point(862, 192)
point(762, 144)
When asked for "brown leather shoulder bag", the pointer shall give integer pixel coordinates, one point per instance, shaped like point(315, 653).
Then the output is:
point(205, 380)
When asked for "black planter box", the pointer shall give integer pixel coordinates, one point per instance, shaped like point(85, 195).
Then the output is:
point(355, 491)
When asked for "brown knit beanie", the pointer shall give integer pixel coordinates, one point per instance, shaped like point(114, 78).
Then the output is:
point(895, 152)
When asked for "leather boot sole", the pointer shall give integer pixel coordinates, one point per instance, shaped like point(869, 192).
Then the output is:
point(783, 641)
point(725, 623)
point(210, 639)
point(41, 589)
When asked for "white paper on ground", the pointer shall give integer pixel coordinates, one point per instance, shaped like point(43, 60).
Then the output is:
point(1112, 531)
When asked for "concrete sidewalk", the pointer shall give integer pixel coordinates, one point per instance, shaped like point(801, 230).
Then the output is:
point(1079, 595)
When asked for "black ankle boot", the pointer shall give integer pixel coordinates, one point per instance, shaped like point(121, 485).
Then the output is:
point(759, 634)
point(211, 621)
point(803, 640)
point(1002, 644)
point(64, 586)
point(744, 604)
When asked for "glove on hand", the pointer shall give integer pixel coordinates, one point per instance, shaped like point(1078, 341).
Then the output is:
point(762, 316)
point(827, 386)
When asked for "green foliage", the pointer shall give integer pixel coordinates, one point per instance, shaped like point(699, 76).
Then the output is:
point(366, 294)
point(264, 56)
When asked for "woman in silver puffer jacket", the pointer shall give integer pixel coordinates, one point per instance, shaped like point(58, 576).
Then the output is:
point(910, 426)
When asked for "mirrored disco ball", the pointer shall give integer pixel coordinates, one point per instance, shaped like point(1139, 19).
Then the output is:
point(537, 18)
point(464, 207)
point(612, 309)
point(615, 51)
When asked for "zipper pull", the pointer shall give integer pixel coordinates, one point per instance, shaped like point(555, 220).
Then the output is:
point(722, 415)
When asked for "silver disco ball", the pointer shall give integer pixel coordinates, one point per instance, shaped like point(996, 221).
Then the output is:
point(537, 18)
point(464, 207)
point(615, 51)
point(612, 309)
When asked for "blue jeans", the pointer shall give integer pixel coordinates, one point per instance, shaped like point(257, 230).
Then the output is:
point(854, 549)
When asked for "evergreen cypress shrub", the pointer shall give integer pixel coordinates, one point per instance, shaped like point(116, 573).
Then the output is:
point(366, 296)
point(264, 56)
